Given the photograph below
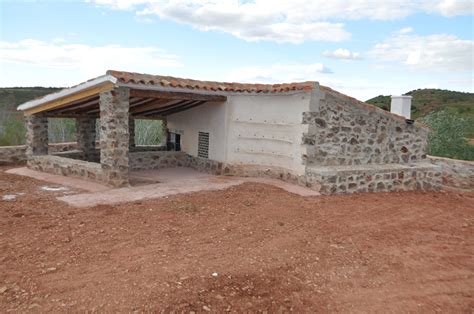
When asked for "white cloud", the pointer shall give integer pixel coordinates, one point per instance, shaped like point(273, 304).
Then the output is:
point(293, 21)
point(87, 60)
point(405, 30)
point(438, 52)
point(279, 73)
point(452, 8)
point(342, 54)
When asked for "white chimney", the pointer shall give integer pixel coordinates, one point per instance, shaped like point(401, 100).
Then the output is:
point(401, 105)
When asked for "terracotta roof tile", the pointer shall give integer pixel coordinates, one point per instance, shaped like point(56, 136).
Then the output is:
point(166, 81)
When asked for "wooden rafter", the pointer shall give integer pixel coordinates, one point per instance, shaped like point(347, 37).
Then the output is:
point(174, 104)
point(86, 105)
point(157, 103)
point(177, 108)
point(64, 101)
point(175, 95)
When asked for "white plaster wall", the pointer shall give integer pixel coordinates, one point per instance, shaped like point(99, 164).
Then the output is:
point(210, 117)
point(267, 130)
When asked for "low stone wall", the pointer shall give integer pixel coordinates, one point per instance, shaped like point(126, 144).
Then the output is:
point(12, 154)
point(156, 159)
point(67, 167)
point(148, 148)
point(457, 174)
point(17, 154)
point(374, 178)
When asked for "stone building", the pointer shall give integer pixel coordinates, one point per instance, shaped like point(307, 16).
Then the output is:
point(300, 132)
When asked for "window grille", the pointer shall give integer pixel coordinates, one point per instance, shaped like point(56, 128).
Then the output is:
point(203, 145)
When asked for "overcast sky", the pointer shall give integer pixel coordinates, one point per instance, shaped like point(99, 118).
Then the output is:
point(363, 48)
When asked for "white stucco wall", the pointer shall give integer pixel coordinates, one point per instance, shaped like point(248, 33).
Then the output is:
point(210, 117)
point(266, 130)
point(254, 129)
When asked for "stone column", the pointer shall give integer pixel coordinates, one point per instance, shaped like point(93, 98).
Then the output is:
point(36, 135)
point(85, 134)
point(131, 131)
point(114, 136)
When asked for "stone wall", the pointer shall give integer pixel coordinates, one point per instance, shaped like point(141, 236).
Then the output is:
point(67, 167)
point(86, 137)
point(12, 154)
point(343, 131)
point(156, 159)
point(114, 136)
point(374, 178)
point(457, 174)
point(148, 148)
point(36, 135)
point(17, 154)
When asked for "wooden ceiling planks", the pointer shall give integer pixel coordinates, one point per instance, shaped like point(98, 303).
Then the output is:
point(143, 103)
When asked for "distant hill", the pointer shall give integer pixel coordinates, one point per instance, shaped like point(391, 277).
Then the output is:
point(11, 97)
point(427, 100)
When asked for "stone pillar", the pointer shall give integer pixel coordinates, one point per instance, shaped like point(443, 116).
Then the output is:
point(114, 136)
point(36, 135)
point(131, 131)
point(86, 135)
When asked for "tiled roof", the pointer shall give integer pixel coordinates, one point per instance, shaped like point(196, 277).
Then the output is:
point(174, 82)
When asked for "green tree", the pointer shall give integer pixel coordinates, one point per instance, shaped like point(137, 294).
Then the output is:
point(148, 132)
point(448, 136)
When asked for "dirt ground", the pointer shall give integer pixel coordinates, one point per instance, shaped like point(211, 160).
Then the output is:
point(251, 247)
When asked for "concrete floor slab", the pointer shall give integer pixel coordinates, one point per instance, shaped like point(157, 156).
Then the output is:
point(172, 181)
point(86, 185)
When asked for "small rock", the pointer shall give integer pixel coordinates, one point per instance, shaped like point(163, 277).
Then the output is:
point(215, 274)
point(206, 308)
point(9, 197)
point(54, 188)
point(34, 305)
point(51, 269)
point(3, 289)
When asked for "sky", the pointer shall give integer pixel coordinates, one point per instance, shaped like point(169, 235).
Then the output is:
point(362, 48)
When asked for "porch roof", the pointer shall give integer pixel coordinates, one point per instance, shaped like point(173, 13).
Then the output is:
point(151, 96)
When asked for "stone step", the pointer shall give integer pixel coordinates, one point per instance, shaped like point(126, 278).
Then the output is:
point(374, 178)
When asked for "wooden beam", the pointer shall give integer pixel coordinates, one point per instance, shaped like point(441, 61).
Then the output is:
point(88, 104)
point(76, 103)
point(175, 95)
point(175, 108)
point(151, 117)
point(141, 101)
point(157, 103)
point(68, 99)
point(136, 103)
point(70, 115)
point(173, 105)
point(182, 108)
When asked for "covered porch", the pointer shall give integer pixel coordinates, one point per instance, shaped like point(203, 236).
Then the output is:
point(105, 110)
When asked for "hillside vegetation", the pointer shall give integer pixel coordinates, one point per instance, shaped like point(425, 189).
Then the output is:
point(429, 100)
point(12, 127)
point(10, 98)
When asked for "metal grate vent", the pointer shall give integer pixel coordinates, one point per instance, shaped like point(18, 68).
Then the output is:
point(203, 145)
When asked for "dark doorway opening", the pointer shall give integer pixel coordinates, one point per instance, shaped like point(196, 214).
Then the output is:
point(174, 142)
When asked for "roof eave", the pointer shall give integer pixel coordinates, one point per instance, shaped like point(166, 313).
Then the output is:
point(101, 80)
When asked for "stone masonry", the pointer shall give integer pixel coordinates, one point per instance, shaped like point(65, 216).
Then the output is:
point(457, 174)
point(344, 132)
point(114, 136)
point(131, 131)
point(374, 178)
point(86, 137)
point(36, 135)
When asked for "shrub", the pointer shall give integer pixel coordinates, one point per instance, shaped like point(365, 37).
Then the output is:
point(448, 136)
point(148, 132)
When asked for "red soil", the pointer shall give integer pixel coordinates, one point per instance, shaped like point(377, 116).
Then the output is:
point(271, 251)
